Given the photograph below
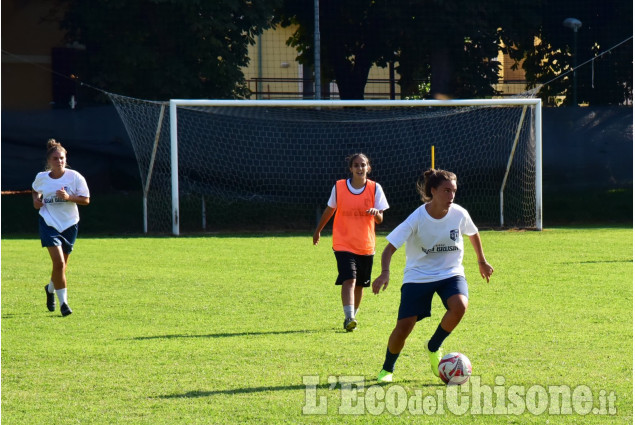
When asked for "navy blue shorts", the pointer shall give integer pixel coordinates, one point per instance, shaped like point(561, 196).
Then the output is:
point(50, 236)
point(416, 298)
point(353, 266)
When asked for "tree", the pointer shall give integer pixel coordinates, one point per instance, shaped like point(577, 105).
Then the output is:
point(353, 36)
point(160, 49)
point(453, 45)
point(448, 44)
point(605, 23)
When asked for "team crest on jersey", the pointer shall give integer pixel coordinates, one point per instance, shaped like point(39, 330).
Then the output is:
point(454, 234)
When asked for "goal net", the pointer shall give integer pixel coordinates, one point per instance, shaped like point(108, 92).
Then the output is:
point(270, 165)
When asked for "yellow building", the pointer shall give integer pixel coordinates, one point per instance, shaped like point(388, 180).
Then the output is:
point(511, 81)
point(27, 82)
point(273, 72)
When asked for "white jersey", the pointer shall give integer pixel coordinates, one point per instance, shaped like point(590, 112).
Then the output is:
point(434, 247)
point(381, 203)
point(56, 212)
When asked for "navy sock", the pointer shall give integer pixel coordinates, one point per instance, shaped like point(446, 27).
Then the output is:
point(391, 359)
point(437, 339)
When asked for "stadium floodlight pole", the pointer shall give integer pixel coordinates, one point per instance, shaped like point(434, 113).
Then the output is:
point(316, 53)
point(574, 24)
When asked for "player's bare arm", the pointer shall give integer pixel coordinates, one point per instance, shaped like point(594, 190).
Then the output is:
point(484, 267)
point(326, 216)
point(378, 215)
point(381, 282)
point(79, 200)
point(37, 200)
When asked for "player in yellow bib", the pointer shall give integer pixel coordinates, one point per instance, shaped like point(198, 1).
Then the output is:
point(358, 203)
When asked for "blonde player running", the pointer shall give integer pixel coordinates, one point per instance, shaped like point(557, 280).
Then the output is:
point(56, 193)
point(433, 235)
point(358, 203)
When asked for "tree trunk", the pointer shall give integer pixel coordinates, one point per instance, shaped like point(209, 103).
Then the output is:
point(441, 74)
point(351, 78)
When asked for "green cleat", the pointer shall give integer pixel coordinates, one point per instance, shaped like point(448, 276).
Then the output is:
point(435, 358)
point(384, 376)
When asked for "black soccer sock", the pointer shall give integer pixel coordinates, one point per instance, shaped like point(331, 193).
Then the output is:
point(437, 339)
point(391, 359)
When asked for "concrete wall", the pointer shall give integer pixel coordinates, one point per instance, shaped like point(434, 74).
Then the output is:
point(582, 147)
point(95, 138)
point(587, 148)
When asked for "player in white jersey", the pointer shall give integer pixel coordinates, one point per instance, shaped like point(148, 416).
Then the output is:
point(56, 193)
point(433, 235)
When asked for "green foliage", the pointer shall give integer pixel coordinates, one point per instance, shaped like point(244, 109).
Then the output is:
point(158, 49)
point(605, 23)
point(353, 37)
point(431, 41)
point(452, 44)
point(161, 49)
point(221, 329)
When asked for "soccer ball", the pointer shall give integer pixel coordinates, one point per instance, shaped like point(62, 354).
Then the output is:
point(455, 369)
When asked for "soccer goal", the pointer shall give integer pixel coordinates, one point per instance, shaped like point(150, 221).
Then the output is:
point(270, 164)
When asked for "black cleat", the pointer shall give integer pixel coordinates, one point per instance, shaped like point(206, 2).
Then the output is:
point(50, 298)
point(350, 324)
point(65, 309)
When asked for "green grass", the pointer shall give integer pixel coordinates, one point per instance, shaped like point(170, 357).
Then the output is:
point(222, 329)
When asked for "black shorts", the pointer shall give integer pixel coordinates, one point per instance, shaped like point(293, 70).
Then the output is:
point(50, 236)
point(416, 298)
point(353, 266)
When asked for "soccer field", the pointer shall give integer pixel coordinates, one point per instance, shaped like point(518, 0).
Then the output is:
point(248, 329)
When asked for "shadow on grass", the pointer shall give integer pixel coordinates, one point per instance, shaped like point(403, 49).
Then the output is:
point(599, 261)
point(307, 387)
point(196, 394)
point(47, 314)
point(225, 335)
point(15, 315)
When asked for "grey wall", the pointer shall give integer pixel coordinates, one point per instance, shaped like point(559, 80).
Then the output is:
point(582, 147)
point(96, 140)
point(587, 147)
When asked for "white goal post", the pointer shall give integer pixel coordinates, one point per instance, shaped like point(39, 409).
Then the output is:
point(524, 103)
point(248, 165)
